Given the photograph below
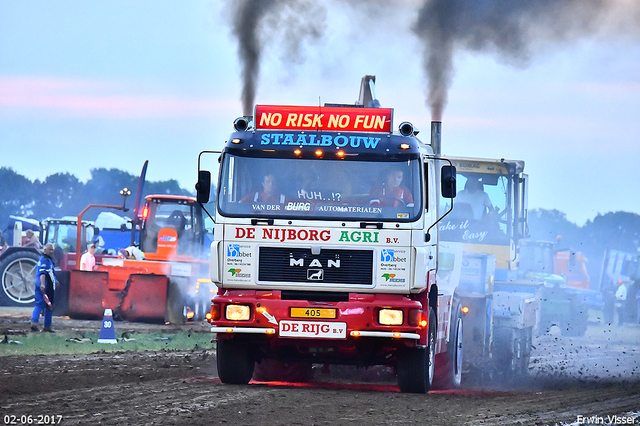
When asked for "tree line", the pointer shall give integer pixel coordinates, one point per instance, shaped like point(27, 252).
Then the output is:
point(62, 194)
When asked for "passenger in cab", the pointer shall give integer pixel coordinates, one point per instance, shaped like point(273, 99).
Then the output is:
point(474, 196)
point(392, 193)
point(30, 240)
point(268, 195)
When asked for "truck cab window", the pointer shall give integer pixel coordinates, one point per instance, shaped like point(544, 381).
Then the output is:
point(329, 189)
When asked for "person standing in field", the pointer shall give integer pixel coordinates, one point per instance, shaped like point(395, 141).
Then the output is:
point(45, 290)
point(88, 260)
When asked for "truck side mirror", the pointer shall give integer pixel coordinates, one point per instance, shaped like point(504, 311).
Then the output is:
point(448, 181)
point(203, 187)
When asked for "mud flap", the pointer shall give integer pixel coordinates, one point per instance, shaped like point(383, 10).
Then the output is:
point(176, 300)
point(61, 301)
point(145, 299)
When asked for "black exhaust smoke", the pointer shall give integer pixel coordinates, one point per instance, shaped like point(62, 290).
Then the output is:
point(510, 30)
point(254, 22)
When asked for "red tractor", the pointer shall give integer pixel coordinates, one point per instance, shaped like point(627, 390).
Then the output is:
point(168, 283)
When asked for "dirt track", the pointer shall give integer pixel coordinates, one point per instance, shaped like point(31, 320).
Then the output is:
point(570, 378)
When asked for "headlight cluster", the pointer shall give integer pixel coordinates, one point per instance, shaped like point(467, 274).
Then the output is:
point(390, 317)
point(237, 313)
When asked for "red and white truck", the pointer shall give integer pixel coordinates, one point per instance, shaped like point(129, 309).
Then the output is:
point(325, 246)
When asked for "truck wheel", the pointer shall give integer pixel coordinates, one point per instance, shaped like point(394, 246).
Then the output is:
point(234, 361)
point(415, 366)
point(455, 348)
point(507, 354)
point(18, 278)
point(448, 371)
point(526, 357)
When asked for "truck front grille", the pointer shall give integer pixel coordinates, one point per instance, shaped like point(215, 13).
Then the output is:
point(331, 266)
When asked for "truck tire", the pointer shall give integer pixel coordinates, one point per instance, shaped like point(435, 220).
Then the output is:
point(448, 372)
point(527, 341)
point(508, 354)
point(455, 351)
point(234, 361)
point(415, 366)
point(17, 278)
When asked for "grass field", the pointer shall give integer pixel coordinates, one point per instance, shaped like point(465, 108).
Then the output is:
point(75, 343)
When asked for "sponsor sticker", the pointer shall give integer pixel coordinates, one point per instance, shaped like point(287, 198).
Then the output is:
point(313, 329)
point(180, 269)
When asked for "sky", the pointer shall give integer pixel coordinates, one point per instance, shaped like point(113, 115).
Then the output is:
point(89, 84)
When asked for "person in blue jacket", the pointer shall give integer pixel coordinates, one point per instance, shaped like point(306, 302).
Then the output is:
point(45, 290)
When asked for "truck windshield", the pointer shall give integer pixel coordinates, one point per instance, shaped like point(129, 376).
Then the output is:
point(175, 215)
point(320, 189)
point(480, 211)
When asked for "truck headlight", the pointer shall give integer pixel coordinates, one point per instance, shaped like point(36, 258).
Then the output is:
point(237, 313)
point(390, 316)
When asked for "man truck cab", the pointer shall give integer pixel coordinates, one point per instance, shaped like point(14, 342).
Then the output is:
point(331, 261)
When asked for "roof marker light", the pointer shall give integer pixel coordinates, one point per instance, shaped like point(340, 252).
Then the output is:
point(319, 153)
point(236, 141)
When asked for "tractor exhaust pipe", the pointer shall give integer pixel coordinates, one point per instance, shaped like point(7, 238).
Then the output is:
point(436, 137)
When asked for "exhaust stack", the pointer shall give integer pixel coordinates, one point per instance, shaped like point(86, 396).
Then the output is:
point(367, 97)
point(436, 137)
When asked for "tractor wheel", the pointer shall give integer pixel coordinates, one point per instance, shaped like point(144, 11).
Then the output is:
point(415, 366)
point(234, 361)
point(176, 310)
point(18, 278)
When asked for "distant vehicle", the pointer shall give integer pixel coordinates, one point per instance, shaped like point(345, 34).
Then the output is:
point(170, 284)
point(621, 266)
point(18, 263)
point(566, 292)
point(481, 250)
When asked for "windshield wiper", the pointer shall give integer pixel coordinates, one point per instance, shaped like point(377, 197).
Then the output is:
point(269, 222)
point(368, 224)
